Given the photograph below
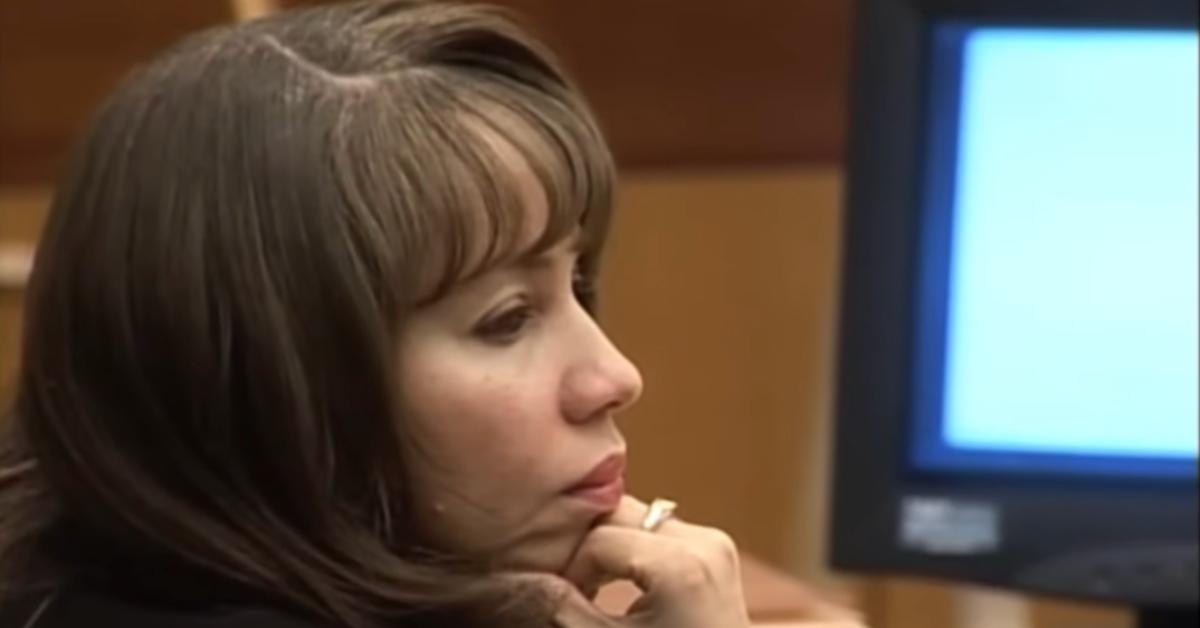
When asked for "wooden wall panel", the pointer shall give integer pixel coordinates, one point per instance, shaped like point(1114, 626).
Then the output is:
point(720, 285)
point(1045, 613)
point(708, 82)
point(720, 288)
point(59, 58)
point(22, 213)
point(10, 331)
point(675, 84)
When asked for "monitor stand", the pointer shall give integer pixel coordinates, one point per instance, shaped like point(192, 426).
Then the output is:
point(1181, 617)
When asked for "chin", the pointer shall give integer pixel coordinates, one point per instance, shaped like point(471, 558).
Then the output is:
point(546, 554)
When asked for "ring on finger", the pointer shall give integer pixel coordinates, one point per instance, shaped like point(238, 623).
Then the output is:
point(660, 510)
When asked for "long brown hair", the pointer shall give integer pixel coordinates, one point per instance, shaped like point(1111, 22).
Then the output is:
point(207, 376)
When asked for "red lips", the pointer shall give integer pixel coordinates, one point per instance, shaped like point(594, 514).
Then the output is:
point(607, 472)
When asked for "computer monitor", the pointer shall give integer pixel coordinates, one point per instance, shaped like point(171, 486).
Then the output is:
point(1017, 378)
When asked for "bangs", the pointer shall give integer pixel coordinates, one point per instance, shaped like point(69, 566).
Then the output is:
point(451, 169)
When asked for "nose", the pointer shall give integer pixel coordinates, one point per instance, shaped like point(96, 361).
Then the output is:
point(599, 381)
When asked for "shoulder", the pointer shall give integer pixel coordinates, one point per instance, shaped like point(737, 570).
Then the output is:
point(71, 609)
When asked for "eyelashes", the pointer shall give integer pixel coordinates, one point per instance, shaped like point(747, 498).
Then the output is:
point(509, 325)
point(506, 326)
point(583, 286)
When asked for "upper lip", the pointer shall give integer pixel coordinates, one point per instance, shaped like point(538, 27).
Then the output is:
point(607, 471)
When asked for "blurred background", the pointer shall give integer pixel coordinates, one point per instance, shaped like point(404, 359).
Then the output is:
point(728, 121)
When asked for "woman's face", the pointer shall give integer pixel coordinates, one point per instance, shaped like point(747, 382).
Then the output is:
point(511, 393)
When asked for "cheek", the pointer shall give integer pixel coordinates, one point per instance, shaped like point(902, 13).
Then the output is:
point(480, 425)
point(484, 441)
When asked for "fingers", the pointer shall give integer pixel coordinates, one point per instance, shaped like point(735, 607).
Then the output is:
point(629, 513)
point(689, 577)
point(693, 558)
point(612, 553)
point(688, 574)
point(712, 544)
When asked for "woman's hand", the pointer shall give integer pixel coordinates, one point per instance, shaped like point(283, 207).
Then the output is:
point(688, 574)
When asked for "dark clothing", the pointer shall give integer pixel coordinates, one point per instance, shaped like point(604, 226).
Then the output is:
point(148, 595)
point(74, 608)
point(111, 586)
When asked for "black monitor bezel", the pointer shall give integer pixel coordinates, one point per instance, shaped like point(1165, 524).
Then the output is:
point(883, 200)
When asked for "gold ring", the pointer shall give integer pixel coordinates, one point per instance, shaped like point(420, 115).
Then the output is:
point(660, 510)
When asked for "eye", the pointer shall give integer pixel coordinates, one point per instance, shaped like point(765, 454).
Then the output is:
point(506, 327)
point(583, 285)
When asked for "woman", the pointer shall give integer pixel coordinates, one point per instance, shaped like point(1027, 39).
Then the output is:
point(309, 343)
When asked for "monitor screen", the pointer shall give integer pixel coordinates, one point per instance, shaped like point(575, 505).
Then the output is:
point(1057, 286)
